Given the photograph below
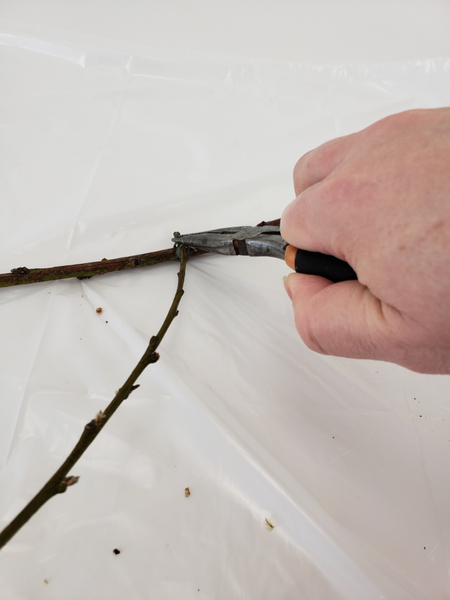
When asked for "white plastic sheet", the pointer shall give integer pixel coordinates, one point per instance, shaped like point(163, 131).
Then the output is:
point(105, 153)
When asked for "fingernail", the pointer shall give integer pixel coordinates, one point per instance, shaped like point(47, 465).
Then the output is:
point(286, 286)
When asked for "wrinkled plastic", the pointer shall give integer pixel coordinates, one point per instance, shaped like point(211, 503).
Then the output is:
point(106, 154)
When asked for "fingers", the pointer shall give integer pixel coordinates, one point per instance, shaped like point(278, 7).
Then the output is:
point(317, 164)
point(309, 221)
point(321, 219)
point(344, 319)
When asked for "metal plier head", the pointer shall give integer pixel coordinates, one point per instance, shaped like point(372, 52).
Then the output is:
point(245, 241)
point(266, 240)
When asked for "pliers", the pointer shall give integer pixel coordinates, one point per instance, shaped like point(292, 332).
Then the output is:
point(266, 240)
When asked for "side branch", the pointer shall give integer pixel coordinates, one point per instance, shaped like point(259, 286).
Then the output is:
point(60, 481)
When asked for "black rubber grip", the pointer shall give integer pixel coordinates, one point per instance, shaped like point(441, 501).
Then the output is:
point(330, 267)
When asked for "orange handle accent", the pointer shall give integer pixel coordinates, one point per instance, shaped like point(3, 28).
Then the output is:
point(289, 257)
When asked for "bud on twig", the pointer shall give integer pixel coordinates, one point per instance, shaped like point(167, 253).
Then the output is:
point(71, 480)
point(66, 482)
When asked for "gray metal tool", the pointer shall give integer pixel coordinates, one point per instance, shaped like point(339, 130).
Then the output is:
point(267, 241)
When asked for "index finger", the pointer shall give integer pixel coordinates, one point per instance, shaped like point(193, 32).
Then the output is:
point(316, 165)
point(309, 221)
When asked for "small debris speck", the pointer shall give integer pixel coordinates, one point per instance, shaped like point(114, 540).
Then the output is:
point(46, 581)
point(187, 492)
point(269, 525)
point(116, 551)
point(99, 309)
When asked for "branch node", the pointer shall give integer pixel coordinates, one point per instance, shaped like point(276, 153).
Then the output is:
point(65, 483)
point(20, 271)
point(71, 480)
point(95, 423)
point(178, 250)
point(99, 417)
point(153, 358)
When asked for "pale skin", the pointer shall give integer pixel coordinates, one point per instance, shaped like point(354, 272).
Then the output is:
point(380, 200)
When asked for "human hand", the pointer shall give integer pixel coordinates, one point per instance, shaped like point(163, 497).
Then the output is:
point(380, 200)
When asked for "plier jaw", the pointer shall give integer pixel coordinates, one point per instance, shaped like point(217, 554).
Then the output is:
point(266, 240)
point(234, 241)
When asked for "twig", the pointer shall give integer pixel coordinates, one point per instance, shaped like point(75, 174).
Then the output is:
point(60, 481)
point(23, 275)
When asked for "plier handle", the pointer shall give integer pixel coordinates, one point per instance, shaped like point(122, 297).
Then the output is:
point(267, 241)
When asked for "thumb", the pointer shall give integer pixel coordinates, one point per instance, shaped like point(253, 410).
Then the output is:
point(343, 319)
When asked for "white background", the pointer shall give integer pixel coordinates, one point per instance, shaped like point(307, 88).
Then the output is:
point(122, 122)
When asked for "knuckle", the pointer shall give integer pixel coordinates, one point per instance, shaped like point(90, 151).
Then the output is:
point(301, 165)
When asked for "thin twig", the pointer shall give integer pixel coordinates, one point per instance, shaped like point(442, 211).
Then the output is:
point(60, 481)
point(23, 275)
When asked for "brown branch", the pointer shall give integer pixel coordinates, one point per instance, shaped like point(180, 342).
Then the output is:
point(23, 275)
point(60, 481)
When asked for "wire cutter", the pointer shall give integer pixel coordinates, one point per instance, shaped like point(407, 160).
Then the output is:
point(267, 241)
